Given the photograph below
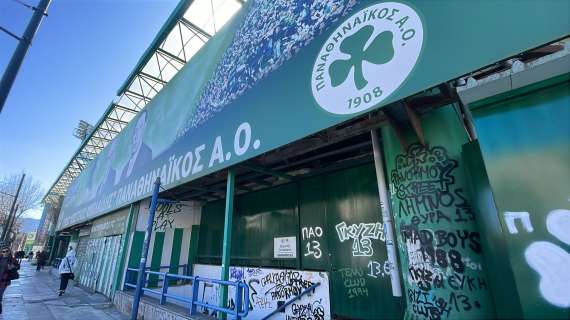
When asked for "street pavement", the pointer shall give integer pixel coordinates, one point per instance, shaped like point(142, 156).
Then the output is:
point(34, 297)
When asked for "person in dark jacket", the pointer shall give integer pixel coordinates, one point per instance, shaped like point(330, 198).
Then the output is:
point(41, 258)
point(9, 267)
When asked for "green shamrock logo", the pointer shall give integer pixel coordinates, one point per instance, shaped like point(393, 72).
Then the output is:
point(379, 51)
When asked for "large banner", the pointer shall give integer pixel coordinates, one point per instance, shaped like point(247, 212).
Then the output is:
point(282, 70)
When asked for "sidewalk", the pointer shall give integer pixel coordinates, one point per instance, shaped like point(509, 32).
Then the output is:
point(34, 297)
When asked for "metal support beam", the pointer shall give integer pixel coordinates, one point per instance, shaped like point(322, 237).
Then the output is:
point(464, 114)
point(397, 131)
point(151, 77)
point(416, 123)
point(195, 28)
point(227, 246)
point(146, 244)
point(167, 55)
point(268, 172)
point(20, 52)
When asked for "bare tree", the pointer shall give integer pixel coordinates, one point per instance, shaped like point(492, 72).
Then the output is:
point(29, 198)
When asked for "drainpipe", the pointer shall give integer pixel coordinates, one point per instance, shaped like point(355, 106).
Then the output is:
point(386, 216)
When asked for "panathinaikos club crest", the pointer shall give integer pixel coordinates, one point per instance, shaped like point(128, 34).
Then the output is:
point(367, 58)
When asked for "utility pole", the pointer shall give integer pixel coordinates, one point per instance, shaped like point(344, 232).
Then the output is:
point(12, 211)
point(20, 52)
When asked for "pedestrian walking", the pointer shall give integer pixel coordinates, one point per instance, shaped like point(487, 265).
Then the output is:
point(9, 267)
point(66, 270)
point(30, 256)
point(40, 260)
point(45, 258)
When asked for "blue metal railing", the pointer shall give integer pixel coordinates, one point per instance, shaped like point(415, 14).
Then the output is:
point(185, 266)
point(241, 302)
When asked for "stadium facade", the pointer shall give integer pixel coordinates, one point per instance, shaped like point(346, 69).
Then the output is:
point(411, 158)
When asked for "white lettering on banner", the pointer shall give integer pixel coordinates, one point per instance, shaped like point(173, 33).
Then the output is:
point(187, 164)
point(240, 149)
point(197, 165)
point(172, 170)
point(269, 288)
point(217, 152)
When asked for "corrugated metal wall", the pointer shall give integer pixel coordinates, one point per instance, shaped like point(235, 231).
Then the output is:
point(336, 220)
point(525, 145)
point(100, 262)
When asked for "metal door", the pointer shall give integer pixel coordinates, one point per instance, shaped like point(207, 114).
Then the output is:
point(110, 252)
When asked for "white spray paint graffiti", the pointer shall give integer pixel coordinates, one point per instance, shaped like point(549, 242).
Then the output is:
point(510, 218)
point(558, 224)
point(362, 235)
point(549, 260)
point(377, 269)
point(313, 246)
point(270, 288)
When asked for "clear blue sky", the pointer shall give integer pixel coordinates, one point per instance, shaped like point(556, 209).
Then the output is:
point(80, 56)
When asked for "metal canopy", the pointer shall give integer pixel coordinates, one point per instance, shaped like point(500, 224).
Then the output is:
point(186, 30)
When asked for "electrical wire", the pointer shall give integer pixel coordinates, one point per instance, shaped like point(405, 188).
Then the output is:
point(25, 4)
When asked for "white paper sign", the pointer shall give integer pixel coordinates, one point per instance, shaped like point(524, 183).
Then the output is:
point(285, 248)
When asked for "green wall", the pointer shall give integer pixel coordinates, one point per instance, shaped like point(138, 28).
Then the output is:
point(499, 272)
point(345, 205)
point(525, 143)
point(258, 218)
point(337, 220)
point(438, 239)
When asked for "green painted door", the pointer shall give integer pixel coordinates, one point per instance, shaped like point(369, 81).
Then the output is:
point(193, 247)
point(135, 255)
point(156, 258)
point(175, 252)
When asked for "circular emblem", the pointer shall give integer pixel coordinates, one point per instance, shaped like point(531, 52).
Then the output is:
point(367, 58)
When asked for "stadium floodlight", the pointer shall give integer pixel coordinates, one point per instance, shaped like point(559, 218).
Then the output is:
point(83, 130)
